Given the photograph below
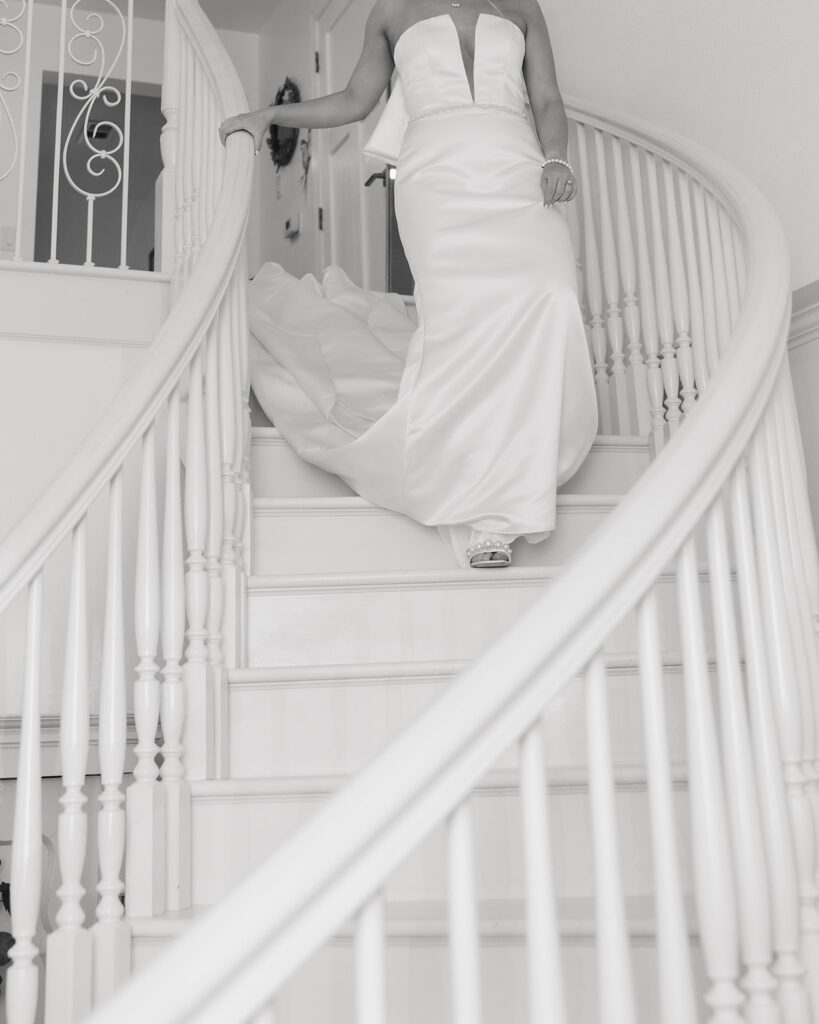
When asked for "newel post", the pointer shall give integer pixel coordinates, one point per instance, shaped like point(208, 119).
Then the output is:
point(165, 218)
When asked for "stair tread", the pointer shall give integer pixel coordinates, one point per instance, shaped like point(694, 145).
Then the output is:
point(288, 786)
point(398, 670)
point(600, 440)
point(356, 503)
point(430, 918)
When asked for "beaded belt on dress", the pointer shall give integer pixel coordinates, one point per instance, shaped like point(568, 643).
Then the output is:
point(444, 107)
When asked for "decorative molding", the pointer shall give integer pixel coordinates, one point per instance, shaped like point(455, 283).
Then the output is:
point(7, 336)
point(805, 319)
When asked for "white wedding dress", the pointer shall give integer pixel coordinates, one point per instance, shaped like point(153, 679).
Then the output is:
point(472, 419)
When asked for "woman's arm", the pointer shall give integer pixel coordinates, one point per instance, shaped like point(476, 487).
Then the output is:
point(367, 82)
point(547, 106)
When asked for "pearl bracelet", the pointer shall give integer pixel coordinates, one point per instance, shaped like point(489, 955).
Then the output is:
point(557, 160)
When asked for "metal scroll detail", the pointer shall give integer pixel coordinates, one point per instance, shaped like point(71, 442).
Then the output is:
point(11, 42)
point(101, 161)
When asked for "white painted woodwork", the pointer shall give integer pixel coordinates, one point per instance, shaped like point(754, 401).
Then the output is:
point(172, 689)
point(23, 976)
point(522, 807)
point(111, 933)
point(714, 882)
point(613, 465)
point(614, 962)
point(547, 993)
point(238, 823)
point(354, 233)
point(334, 719)
point(69, 949)
point(145, 879)
point(407, 616)
point(337, 535)
point(674, 967)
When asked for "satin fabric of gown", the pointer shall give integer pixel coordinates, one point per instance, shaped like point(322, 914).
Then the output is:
point(489, 403)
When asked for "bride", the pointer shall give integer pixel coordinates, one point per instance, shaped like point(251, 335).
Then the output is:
point(495, 406)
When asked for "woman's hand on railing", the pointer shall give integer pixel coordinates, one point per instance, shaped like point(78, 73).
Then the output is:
point(256, 122)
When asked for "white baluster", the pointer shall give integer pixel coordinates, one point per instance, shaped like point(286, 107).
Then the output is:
point(739, 260)
point(798, 477)
point(611, 284)
point(679, 292)
point(58, 148)
point(665, 318)
point(177, 789)
point(145, 800)
point(713, 871)
point(718, 275)
point(169, 237)
point(370, 969)
point(111, 934)
point(126, 157)
point(799, 613)
point(709, 300)
point(244, 377)
point(227, 420)
point(464, 928)
point(198, 736)
point(648, 309)
point(69, 949)
point(726, 231)
point(213, 548)
point(788, 700)
point(631, 307)
point(241, 430)
point(702, 370)
point(750, 870)
point(614, 978)
point(547, 999)
point(27, 851)
point(23, 177)
point(594, 290)
point(186, 121)
point(196, 153)
point(779, 847)
point(675, 979)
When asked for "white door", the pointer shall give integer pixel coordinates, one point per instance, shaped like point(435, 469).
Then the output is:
point(353, 217)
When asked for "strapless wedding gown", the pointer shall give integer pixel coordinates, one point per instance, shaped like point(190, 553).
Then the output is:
point(493, 405)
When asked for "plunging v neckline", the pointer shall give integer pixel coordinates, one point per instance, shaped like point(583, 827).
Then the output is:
point(470, 87)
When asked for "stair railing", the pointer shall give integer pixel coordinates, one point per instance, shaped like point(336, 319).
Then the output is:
point(175, 514)
point(685, 264)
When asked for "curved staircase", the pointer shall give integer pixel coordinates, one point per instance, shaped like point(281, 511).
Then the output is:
point(583, 789)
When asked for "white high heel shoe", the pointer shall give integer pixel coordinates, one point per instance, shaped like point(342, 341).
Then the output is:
point(488, 551)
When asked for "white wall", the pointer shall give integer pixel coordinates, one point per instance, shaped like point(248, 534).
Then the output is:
point(738, 76)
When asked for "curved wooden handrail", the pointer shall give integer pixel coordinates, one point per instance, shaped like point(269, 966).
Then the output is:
point(29, 545)
point(275, 918)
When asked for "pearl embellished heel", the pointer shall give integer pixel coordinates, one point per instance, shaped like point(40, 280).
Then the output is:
point(488, 551)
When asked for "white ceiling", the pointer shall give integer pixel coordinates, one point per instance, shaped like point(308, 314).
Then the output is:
point(239, 15)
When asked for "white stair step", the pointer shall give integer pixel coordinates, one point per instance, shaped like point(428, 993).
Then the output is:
point(417, 963)
point(309, 619)
point(349, 534)
point(238, 823)
point(333, 719)
point(417, 966)
point(613, 465)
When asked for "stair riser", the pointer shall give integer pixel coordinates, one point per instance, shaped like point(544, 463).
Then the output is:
point(278, 472)
point(373, 540)
point(232, 836)
point(418, 986)
point(335, 728)
point(336, 625)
